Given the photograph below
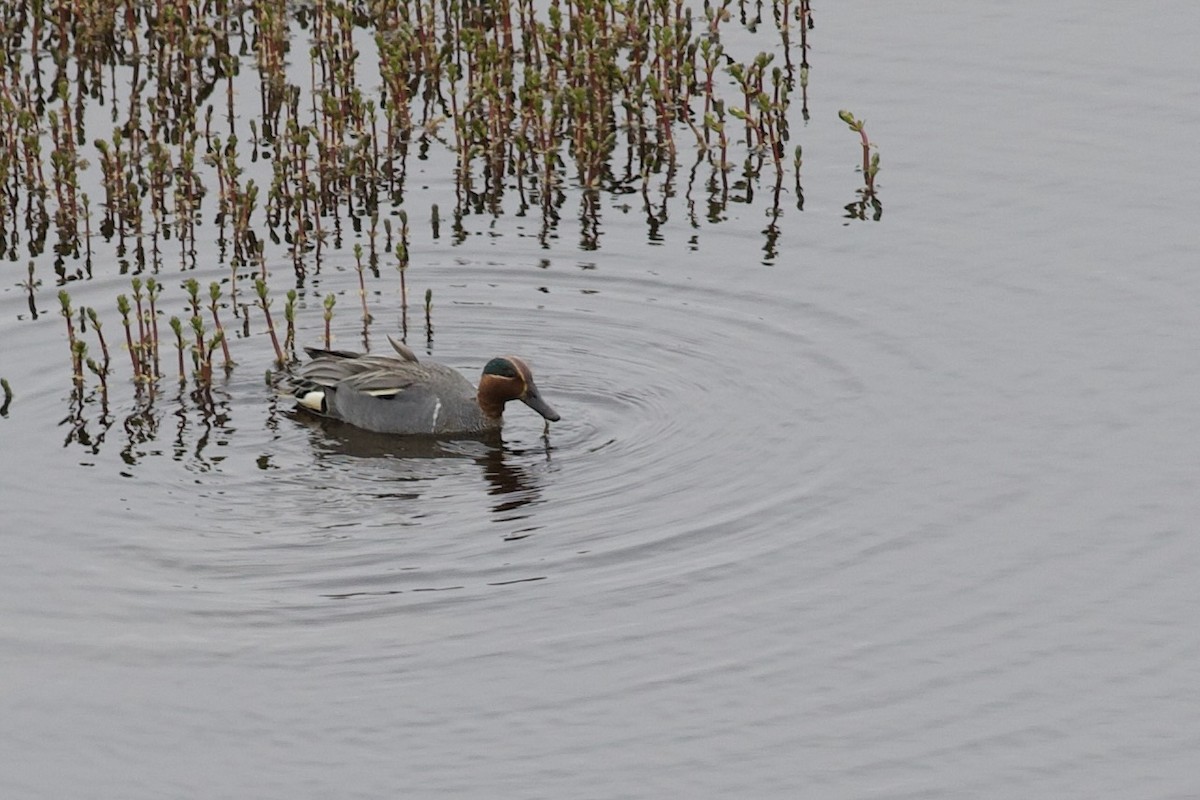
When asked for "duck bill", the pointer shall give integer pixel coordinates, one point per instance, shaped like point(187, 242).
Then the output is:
point(535, 401)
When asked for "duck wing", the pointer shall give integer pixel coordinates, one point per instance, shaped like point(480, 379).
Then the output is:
point(387, 394)
point(385, 380)
point(403, 397)
point(328, 368)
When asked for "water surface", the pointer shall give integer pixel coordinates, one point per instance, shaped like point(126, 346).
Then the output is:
point(905, 511)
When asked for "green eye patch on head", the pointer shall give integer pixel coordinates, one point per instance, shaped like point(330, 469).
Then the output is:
point(501, 367)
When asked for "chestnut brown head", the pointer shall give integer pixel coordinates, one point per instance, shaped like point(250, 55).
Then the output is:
point(509, 378)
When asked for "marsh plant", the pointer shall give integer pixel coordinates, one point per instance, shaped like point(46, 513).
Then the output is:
point(870, 168)
point(264, 302)
point(329, 302)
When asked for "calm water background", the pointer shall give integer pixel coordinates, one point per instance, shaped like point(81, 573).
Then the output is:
point(907, 511)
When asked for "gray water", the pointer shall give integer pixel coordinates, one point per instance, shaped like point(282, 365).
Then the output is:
point(905, 511)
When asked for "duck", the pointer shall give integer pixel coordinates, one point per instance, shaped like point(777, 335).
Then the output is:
point(401, 394)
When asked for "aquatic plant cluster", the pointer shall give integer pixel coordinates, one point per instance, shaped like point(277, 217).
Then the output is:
point(531, 97)
point(525, 97)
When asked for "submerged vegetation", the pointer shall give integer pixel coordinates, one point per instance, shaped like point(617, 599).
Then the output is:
point(252, 138)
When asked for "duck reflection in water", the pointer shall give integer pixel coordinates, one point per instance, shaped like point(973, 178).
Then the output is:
point(513, 484)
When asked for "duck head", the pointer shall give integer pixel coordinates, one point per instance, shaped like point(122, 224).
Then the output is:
point(509, 378)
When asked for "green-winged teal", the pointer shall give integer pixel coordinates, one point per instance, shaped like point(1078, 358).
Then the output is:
point(387, 394)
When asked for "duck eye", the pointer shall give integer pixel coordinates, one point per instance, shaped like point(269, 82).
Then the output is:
point(501, 367)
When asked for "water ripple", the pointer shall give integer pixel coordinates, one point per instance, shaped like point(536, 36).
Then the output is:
point(670, 450)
